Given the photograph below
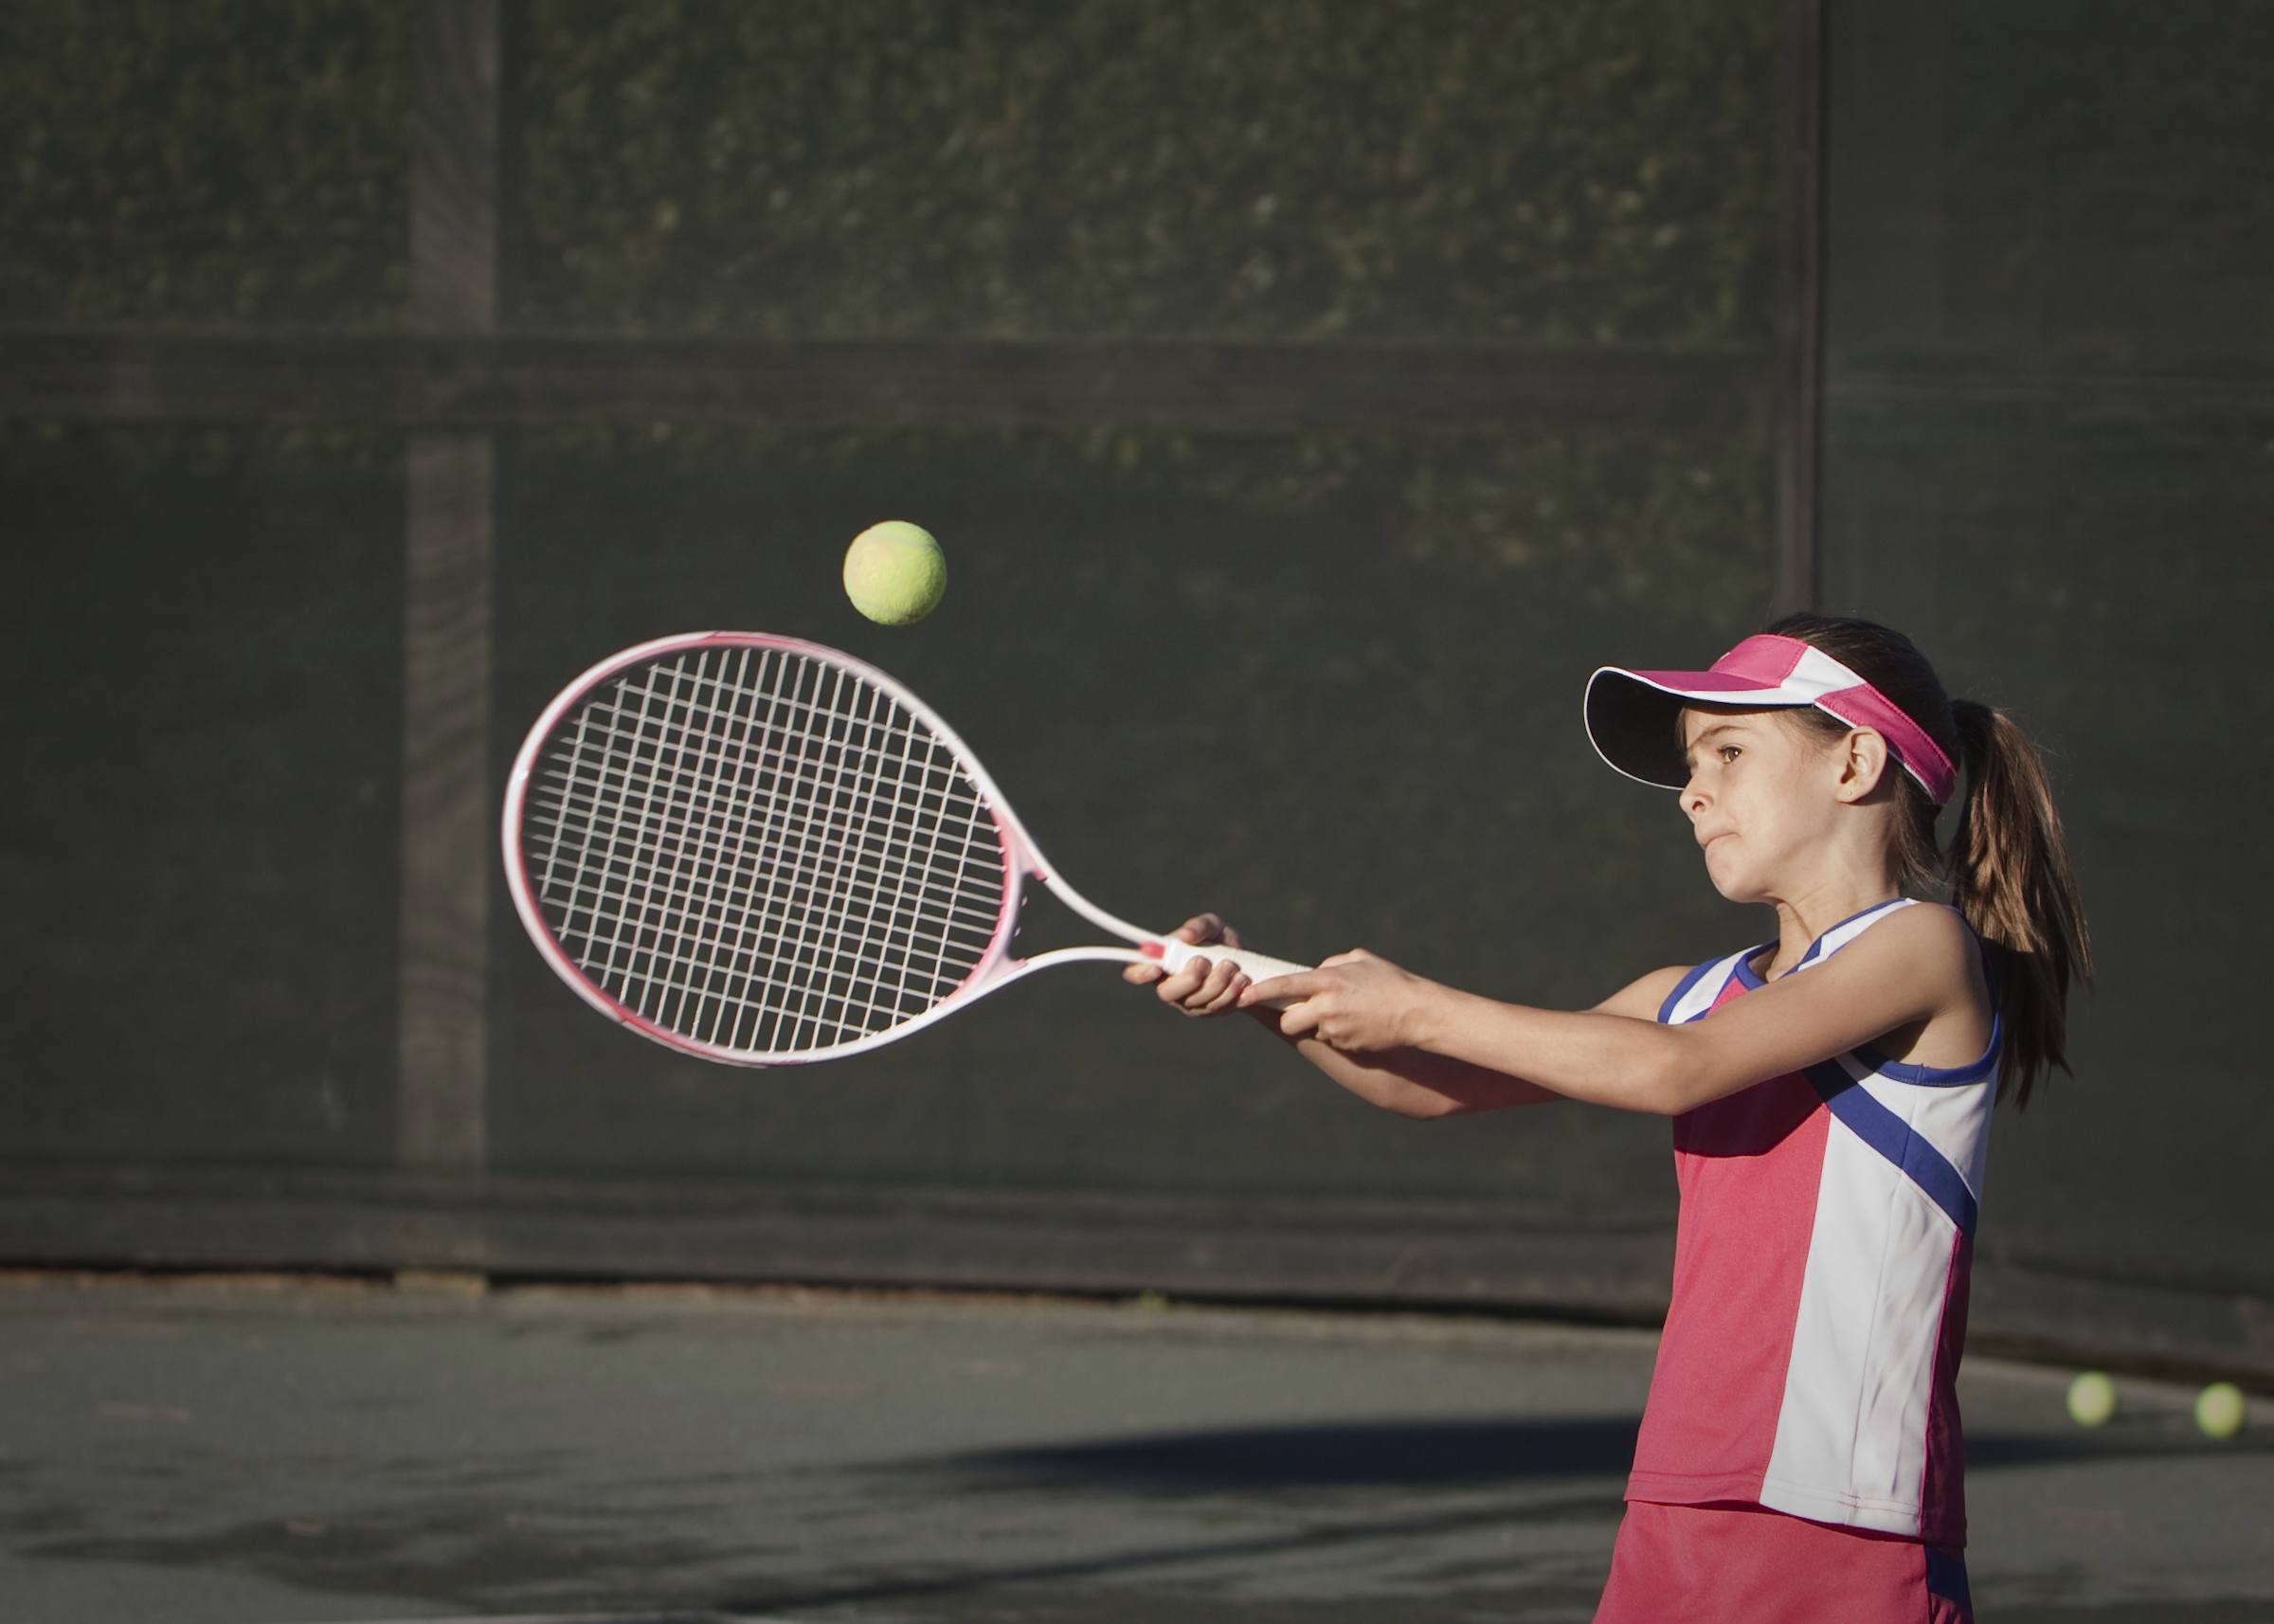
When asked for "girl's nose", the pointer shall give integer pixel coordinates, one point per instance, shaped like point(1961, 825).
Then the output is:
point(1693, 799)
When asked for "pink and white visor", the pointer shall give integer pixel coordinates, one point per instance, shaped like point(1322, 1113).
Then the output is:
point(1631, 714)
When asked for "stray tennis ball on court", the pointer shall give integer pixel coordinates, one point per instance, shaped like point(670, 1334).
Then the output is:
point(894, 572)
point(2091, 1400)
point(2219, 1410)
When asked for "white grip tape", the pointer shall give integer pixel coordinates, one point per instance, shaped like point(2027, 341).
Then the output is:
point(1175, 955)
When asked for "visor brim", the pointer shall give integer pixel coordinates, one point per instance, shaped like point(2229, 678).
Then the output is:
point(1633, 717)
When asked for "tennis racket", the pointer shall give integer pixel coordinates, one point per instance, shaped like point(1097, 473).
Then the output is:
point(761, 851)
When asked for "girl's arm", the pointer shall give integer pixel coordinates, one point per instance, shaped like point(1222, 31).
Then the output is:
point(1909, 967)
point(1405, 1079)
point(1413, 1082)
point(1420, 1082)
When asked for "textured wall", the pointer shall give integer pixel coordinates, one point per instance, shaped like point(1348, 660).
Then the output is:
point(1152, 311)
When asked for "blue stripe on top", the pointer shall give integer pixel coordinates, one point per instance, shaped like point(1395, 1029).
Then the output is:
point(1815, 947)
point(1894, 1138)
point(1939, 1076)
point(1666, 1010)
point(1745, 964)
point(1858, 1110)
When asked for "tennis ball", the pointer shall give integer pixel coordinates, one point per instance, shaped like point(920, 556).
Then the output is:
point(2219, 1409)
point(2091, 1400)
point(894, 572)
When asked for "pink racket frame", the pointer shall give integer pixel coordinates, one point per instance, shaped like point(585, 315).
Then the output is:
point(1023, 861)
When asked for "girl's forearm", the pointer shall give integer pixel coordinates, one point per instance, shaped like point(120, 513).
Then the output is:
point(1412, 1082)
point(1606, 1059)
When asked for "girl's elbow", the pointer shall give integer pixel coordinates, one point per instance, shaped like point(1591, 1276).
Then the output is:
point(1685, 1080)
point(1672, 1084)
point(1402, 1097)
point(1430, 1106)
point(1482, 1093)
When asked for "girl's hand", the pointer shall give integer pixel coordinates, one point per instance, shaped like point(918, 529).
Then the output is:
point(1204, 986)
point(1354, 1001)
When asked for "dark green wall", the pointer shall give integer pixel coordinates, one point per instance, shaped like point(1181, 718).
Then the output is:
point(2049, 406)
point(1262, 632)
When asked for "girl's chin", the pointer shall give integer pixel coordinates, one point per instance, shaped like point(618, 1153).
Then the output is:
point(1733, 886)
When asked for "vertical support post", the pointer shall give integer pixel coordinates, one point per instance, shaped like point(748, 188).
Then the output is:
point(1798, 410)
point(1887, 73)
point(447, 854)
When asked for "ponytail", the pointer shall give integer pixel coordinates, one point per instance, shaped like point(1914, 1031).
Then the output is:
point(2009, 874)
point(2006, 868)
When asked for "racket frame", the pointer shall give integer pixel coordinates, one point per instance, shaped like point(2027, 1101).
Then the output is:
point(1023, 859)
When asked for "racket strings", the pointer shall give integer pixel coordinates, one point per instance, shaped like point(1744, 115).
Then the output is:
point(721, 844)
point(765, 854)
point(869, 871)
point(871, 883)
point(814, 932)
point(808, 932)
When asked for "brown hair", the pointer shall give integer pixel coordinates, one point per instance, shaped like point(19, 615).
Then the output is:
point(2007, 869)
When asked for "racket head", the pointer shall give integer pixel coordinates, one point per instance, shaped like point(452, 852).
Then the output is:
point(759, 850)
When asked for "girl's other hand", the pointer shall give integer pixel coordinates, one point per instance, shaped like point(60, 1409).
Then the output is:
point(1204, 986)
point(1356, 1002)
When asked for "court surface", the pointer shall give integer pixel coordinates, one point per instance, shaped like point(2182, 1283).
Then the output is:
point(270, 1451)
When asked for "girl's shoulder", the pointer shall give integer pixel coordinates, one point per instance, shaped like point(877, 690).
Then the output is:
point(1925, 943)
point(1934, 929)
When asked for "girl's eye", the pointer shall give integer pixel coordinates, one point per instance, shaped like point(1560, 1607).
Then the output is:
point(1730, 752)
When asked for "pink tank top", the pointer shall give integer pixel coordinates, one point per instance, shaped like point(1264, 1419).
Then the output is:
point(1810, 1357)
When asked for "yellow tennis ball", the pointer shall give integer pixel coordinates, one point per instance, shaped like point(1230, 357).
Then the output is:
point(2219, 1409)
point(894, 572)
point(2091, 1400)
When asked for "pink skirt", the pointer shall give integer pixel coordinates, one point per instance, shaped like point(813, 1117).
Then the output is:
point(1702, 1565)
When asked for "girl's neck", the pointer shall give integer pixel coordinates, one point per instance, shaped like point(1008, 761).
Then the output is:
point(1802, 918)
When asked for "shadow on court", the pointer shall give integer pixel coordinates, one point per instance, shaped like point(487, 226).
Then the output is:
point(1478, 1449)
point(287, 1452)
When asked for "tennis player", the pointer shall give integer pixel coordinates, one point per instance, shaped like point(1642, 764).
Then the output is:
point(1830, 1088)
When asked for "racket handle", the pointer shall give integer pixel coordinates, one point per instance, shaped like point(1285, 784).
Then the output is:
point(1174, 955)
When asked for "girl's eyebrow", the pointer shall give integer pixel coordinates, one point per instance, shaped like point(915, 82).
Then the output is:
point(1690, 748)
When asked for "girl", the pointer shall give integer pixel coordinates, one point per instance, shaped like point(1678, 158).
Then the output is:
point(1831, 1091)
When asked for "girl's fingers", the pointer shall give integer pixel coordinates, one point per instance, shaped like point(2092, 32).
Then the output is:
point(1201, 985)
point(1293, 988)
point(1204, 986)
point(1229, 998)
point(1199, 928)
point(1211, 990)
point(1203, 999)
point(1177, 988)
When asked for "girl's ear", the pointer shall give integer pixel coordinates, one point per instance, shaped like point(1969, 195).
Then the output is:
point(1863, 757)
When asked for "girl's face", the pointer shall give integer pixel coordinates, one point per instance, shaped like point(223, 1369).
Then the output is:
point(1758, 798)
